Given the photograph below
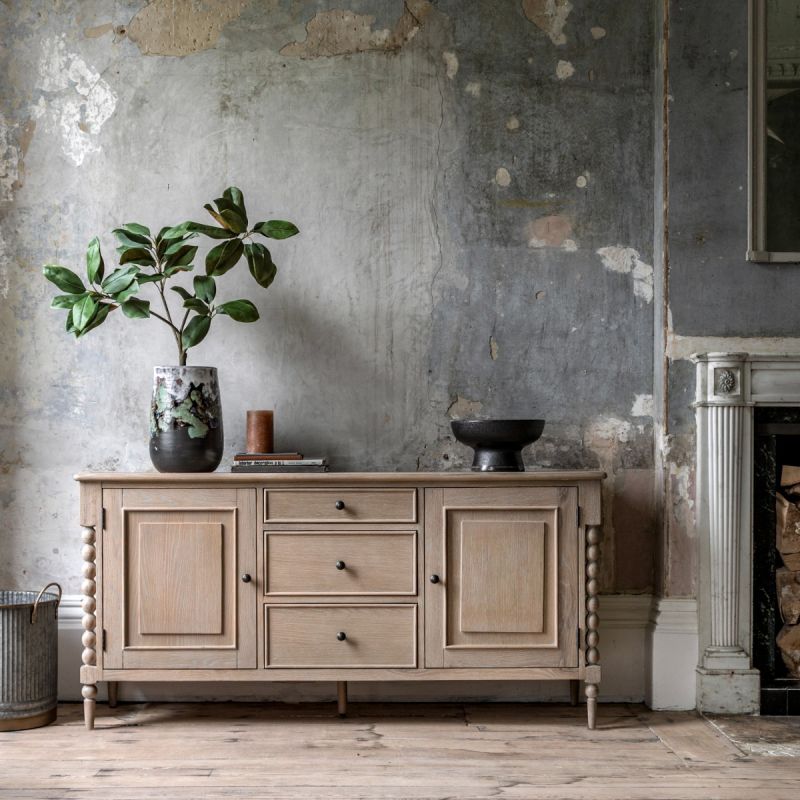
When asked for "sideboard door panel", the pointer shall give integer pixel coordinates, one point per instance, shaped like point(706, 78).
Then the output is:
point(172, 592)
point(507, 588)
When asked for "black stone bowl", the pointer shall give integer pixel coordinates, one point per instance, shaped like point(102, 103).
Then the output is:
point(498, 443)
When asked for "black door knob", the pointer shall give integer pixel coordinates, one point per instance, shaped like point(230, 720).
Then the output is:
point(341, 636)
point(246, 578)
point(340, 565)
point(434, 579)
point(340, 505)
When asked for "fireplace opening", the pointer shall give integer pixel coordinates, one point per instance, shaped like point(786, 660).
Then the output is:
point(776, 446)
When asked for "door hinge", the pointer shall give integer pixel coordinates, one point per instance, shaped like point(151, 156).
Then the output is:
point(102, 519)
point(103, 640)
point(579, 516)
point(578, 637)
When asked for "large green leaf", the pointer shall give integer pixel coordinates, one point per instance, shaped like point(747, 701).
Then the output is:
point(236, 222)
point(182, 257)
point(276, 229)
point(217, 216)
point(196, 304)
point(205, 287)
point(173, 245)
point(64, 278)
point(128, 238)
point(175, 232)
point(66, 300)
point(195, 331)
point(223, 257)
point(260, 263)
point(94, 261)
point(69, 327)
point(119, 279)
point(181, 291)
point(235, 196)
point(135, 308)
point(82, 312)
point(103, 310)
point(136, 229)
point(137, 255)
point(211, 231)
point(240, 310)
point(127, 292)
point(142, 278)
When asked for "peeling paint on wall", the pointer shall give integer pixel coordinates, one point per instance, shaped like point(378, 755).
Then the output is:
point(627, 260)
point(550, 231)
point(512, 123)
point(502, 177)
point(338, 32)
point(550, 16)
point(5, 280)
point(77, 101)
point(462, 407)
point(450, 64)
point(564, 70)
point(473, 88)
point(182, 27)
point(98, 30)
point(598, 32)
point(10, 159)
point(582, 181)
point(494, 348)
point(642, 406)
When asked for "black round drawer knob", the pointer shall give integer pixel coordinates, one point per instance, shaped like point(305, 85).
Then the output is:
point(434, 579)
point(340, 565)
point(341, 636)
point(246, 578)
point(339, 505)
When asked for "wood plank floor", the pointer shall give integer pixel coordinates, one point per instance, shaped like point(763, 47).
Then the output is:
point(414, 751)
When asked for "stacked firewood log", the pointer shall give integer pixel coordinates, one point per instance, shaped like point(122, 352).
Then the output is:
point(787, 578)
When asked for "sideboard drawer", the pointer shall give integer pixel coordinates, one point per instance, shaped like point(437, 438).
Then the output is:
point(341, 636)
point(340, 505)
point(340, 563)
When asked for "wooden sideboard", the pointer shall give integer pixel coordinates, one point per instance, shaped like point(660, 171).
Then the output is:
point(340, 577)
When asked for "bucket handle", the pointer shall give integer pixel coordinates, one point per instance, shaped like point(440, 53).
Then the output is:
point(36, 602)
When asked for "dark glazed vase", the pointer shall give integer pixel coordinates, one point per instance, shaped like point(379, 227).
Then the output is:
point(185, 420)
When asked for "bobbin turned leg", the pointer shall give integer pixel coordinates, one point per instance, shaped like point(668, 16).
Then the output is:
point(592, 655)
point(89, 620)
point(113, 687)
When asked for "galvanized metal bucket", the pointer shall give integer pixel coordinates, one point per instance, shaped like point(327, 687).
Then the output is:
point(28, 658)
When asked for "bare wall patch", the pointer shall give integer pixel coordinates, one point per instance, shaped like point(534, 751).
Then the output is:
point(182, 27)
point(340, 32)
point(550, 16)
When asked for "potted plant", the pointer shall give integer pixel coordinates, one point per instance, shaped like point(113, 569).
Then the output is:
point(185, 413)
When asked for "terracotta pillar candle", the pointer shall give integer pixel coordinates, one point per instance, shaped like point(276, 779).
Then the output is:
point(260, 432)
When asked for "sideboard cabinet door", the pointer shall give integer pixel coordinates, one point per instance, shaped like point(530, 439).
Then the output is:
point(172, 592)
point(502, 577)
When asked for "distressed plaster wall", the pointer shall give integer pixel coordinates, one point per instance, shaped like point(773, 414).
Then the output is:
point(717, 300)
point(473, 185)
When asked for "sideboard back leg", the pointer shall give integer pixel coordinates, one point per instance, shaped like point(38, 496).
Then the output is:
point(591, 704)
point(341, 691)
point(574, 692)
point(113, 691)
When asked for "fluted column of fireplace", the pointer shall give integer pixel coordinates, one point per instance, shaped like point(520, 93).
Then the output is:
point(726, 681)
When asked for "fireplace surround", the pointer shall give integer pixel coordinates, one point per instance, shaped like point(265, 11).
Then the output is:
point(729, 388)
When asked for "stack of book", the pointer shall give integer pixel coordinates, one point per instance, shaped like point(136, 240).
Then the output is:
point(277, 462)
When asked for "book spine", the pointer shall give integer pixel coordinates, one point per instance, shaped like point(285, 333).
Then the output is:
point(311, 462)
point(276, 469)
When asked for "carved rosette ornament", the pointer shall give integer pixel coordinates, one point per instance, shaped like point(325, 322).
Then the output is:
point(726, 381)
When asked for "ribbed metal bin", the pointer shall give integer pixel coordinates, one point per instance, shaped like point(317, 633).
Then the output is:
point(28, 658)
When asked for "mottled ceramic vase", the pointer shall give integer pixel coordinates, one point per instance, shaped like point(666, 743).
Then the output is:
point(185, 420)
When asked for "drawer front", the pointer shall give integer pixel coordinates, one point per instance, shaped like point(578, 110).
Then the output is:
point(374, 636)
point(347, 563)
point(340, 505)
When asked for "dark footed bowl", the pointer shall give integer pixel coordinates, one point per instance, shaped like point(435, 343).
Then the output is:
point(498, 443)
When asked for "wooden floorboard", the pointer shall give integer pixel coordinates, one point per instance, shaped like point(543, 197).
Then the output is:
point(392, 751)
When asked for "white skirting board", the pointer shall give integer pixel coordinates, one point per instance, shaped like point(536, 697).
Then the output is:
point(672, 654)
point(625, 621)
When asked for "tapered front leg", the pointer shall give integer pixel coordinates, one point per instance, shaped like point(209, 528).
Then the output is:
point(113, 690)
